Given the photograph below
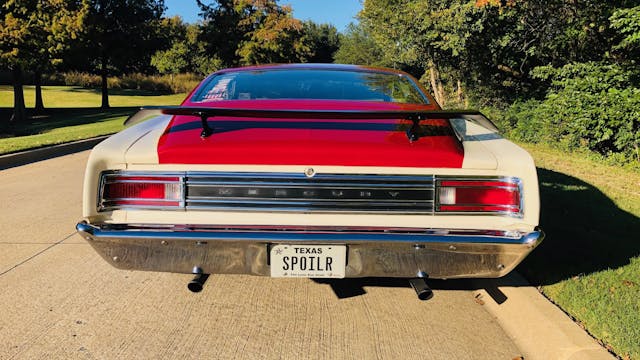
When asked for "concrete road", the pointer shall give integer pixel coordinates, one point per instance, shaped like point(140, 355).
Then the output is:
point(60, 300)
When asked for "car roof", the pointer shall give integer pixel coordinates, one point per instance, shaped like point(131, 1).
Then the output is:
point(311, 66)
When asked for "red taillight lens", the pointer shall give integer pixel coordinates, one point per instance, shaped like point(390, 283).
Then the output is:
point(479, 196)
point(141, 191)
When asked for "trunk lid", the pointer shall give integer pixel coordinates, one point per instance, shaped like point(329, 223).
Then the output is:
point(337, 142)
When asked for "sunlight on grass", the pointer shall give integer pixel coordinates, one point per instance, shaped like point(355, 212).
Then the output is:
point(73, 114)
point(589, 264)
point(76, 97)
point(62, 135)
point(606, 303)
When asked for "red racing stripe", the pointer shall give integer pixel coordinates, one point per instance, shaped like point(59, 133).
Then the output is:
point(251, 141)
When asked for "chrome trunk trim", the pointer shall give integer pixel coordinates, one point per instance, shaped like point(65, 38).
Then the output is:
point(292, 192)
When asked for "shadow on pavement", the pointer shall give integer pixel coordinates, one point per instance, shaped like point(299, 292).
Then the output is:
point(348, 288)
point(586, 231)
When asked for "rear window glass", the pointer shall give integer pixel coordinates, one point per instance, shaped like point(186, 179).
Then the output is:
point(311, 84)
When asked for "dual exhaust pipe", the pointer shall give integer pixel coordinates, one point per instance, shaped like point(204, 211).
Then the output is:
point(420, 286)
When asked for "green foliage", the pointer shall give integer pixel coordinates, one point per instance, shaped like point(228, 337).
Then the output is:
point(627, 23)
point(121, 34)
point(274, 36)
point(34, 33)
point(426, 38)
point(173, 60)
point(252, 32)
point(187, 53)
point(323, 41)
point(84, 80)
point(589, 105)
point(359, 48)
point(560, 70)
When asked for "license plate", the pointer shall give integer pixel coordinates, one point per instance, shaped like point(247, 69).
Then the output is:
point(310, 261)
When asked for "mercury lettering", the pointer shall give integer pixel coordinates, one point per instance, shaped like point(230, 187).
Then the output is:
point(306, 263)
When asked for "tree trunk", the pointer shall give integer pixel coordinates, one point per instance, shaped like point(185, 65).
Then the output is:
point(436, 84)
point(462, 99)
point(105, 87)
point(38, 82)
point(18, 97)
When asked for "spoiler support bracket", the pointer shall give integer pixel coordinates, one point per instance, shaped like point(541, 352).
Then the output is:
point(413, 133)
point(206, 129)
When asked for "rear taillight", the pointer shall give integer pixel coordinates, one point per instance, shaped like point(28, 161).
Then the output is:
point(479, 196)
point(141, 191)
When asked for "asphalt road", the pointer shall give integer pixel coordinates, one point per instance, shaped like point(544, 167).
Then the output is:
point(60, 300)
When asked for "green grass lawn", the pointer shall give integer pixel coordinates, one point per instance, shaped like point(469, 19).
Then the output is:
point(77, 97)
point(64, 126)
point(589, 264)
point(72, 114)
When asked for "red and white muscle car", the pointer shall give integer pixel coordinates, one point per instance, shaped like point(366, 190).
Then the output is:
point(311, 171)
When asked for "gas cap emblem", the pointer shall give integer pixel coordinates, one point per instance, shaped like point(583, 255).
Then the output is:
point(309, 172)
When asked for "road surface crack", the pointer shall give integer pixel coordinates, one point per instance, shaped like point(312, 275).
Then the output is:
point(38, 254)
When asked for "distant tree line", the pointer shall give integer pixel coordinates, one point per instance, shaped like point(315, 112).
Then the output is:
point(558, 71)
point(564, 72)
point(114, 37)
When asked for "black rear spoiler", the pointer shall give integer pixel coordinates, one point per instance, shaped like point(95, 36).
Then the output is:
point(206, 113)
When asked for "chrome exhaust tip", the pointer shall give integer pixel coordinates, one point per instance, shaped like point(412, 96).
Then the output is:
point(198, 281)
point(421, 288)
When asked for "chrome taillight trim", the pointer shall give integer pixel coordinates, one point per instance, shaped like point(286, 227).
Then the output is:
point(425, 184)
point(498, 179)
point(109, 177)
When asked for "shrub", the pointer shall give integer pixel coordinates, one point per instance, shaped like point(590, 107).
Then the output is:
point(589, 105)
point(174, 84)
point(84, 80)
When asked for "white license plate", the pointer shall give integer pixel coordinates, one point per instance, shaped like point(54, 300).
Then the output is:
point(310, 261)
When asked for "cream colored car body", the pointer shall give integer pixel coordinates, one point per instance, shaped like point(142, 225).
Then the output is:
point(434, 246)
point(486, 154)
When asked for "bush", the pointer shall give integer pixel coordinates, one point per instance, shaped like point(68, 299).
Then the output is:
point(84, 80)
point(175, 84)
point(181, 83)
point(589, 106)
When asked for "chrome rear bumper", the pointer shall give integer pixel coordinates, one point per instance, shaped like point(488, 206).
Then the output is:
point(376, 252)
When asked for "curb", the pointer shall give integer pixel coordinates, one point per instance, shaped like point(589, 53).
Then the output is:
point(539, 328)
point(48, 152)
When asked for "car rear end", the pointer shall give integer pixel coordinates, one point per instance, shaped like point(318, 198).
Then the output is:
point(313, 193)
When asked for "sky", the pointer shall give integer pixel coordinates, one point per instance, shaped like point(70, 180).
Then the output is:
point(337, 12)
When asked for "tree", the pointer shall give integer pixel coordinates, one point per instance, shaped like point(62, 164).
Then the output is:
point(274, 35)
point(187, 53)
point(359, 48)
point(491, 46)
point(121, 36)
point(627, 24)
point(221, 30)
point(424, 35)
point(323, 41)
point(252, 32)
point(62, 22)
point(174, 58)
point(32, 36)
